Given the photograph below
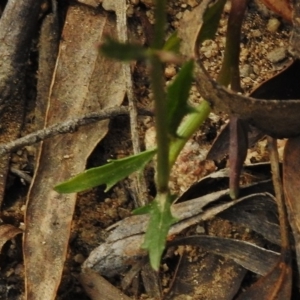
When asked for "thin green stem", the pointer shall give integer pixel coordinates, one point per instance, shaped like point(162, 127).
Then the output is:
point(160, 23)
point(162, 138)
point(157, 80)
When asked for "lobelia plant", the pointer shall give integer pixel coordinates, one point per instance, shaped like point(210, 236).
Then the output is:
point(172, 132)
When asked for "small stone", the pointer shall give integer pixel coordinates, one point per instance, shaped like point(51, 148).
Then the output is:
point(256, 33)
point(179, 15)
point(130, 11)
point(277, 55)
point(256, 69)
point(208, 54)
point(200, 229)
point(170, 72)
point(247, 80)
point(150, 138)
point(19, 269)
point(108, 200)
point(149, 3)
point(245, 70)
point(273, 24)
point(79, 258)
point(244, 53)
point(227, 7)
point(192, 3)
point(22, 226)
point(123, 213)
point(108, 5)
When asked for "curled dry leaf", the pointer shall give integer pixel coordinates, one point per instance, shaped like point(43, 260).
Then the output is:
point(278, 118)
point(122, 247)
point(250, 256)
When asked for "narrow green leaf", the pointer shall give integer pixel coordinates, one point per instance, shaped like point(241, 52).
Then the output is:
point(172, 43)
point(122, 51)
point(211, 21)
point(109, 174)
point(160, 222)
point(143, 209)
point(177, 97)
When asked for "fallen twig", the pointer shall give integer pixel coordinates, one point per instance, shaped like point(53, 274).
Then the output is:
point(27, 178)
point(138, 187)
point(65, 127)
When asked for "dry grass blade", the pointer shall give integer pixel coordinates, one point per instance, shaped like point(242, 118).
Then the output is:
point(83, 82)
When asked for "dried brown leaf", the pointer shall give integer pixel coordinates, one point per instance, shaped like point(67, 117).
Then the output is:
point(84, 82)
point(99, 288)
point(123, 246)
point(281, 7)
point(250, 256)
point(291, 181)
point(208, 275)
point(18, 24)
point(278, 118)
point(276, 285)
point(8, 232)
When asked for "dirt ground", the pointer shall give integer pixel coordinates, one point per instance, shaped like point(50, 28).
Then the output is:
point(263, 54)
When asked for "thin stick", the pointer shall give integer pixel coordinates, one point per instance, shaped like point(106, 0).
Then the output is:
point(64, 127)
point(139, 183)
point(277, 182)
point(27, 178)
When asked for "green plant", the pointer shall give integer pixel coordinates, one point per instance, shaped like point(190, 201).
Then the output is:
point(172, 132)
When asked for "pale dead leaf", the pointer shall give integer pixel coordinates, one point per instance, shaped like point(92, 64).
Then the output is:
point(123, 246)
point(84, 82)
